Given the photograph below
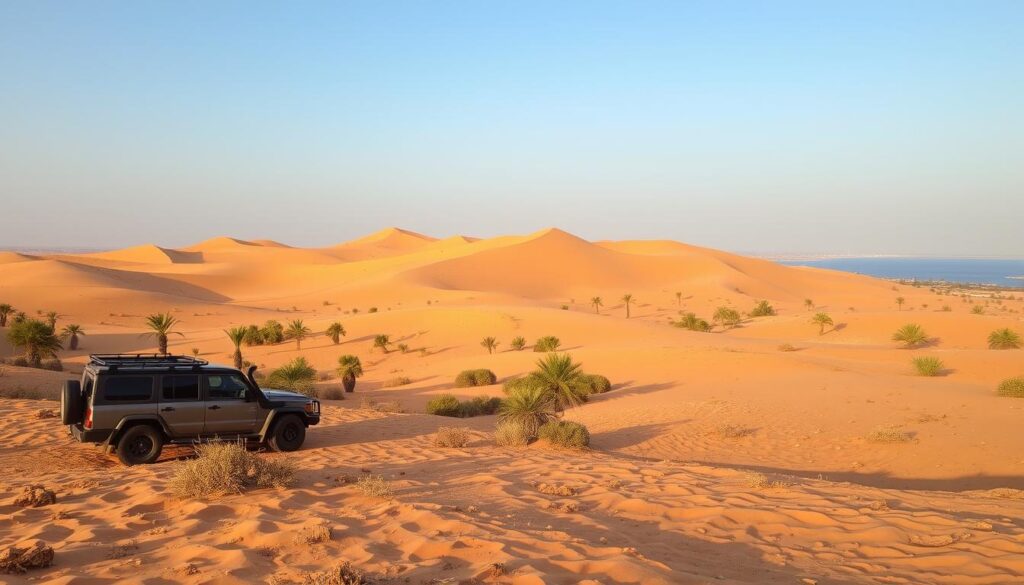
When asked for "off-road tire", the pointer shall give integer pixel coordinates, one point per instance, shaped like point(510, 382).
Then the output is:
point(140, 444)
point(288, 433)
point(71, 403)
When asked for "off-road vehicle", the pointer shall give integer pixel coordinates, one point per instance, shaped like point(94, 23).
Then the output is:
point(135, 404)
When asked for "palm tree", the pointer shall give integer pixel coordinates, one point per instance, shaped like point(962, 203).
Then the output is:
point(349, 368)
point(596, 301)
point(1004, 339)
point(37, 338)
point(71, 333)
point(382, 341)
point(530, 405)
point(679, 298)
point(559, 377)
point(5, 311)
point(298, 331)
point(821, 320)
point(161, 324)
point(237, 336)
point(726, 316)
point(336, 331)
point(51, 319)
point(900, 301)
point(627, 298)
point(490, 344)
point(20, 317)
point(808, 304)
point(296, 375)
point(910, 335)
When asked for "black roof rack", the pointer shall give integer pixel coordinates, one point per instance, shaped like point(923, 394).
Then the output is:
point(145, 361)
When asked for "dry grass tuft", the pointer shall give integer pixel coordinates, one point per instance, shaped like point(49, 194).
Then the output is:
point(343, 574)
point(375, 486)
point(760, 481)
point(388, 406)
point(395, 382)
point(228, 468)
point(451, 437)
point(889, 434)
point(314, 534)
point(732, 431)
point(787, 347)
point(512, 433)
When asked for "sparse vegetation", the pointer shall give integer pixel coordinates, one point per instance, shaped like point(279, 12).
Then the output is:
point(451, 437)
point(762, 309)
point(71, 333)
point(517, 343)
point(272, 332)
point(727, 317)
point(228, 468)
point(1005, 338)
point(382, 341)
point(1011, 387)
point(627, 299)
point(298, 331)
point(691, 322)
point(513, 433)
point(547, 343)
point(978, 310)
point(36, 338)
point(237, 337)
point(480, 377)
point(397, 381)
point(888, 434)
point(927, 366)
point(335, 331)
point(822, 320)
point(479, 406)
point(593, 383)
point(529, 407)
point(5, 313)
point(564, 433)
point(679, 298)
point(162, 325)
point(490, 344)
point(296, 375)
point(403, 347)
point(597, 303)
point(375, 486)
point(559, 376)
point(910, 335)
point(444, 405)
point(786, 347)
point(900, 301)
point(808, 304)
point(343, 574)
point(349, 368)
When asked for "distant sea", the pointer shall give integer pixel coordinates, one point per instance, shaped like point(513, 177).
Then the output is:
point(977, 271)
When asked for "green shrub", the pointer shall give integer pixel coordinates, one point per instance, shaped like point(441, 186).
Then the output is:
point(511, 385)
point(547, 343)
point(272, 332)
point(451, 437)
point(469, 378)
point(253, 336)
point(594, 383)
point(444, 405)
point(928, 366)
point(910, 335)
point(692, 322)
point(1005, 338)
point(399, 381)
point(512, 433)
point(563, 433)
point(53, 365)
point(1013, 387)
point(228, 468)
point(978, 310)
point(727, 317)
point(762, 309)
point(479, 406)
point(517, 343)
point(297, 376)
point(530, 405)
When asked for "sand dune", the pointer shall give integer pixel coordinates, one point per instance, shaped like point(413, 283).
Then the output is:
point(664, 496)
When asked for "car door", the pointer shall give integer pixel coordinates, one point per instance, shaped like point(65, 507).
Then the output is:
point(230, 408)
point(181, 405)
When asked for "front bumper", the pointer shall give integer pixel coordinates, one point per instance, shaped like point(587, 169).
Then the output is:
point(83, 435)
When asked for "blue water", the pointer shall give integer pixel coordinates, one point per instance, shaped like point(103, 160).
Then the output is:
point(948, 269)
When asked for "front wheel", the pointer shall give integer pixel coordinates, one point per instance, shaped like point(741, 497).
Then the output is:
point(288, 434)
point(139, 445)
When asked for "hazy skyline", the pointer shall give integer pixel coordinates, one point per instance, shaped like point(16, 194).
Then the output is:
point(787, 128)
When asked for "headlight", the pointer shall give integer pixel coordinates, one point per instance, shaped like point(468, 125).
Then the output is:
point(313, 407)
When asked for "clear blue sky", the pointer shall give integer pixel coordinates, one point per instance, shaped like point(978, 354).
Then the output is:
point(761, 127)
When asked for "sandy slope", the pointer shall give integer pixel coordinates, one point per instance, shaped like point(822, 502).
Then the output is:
point(663, 486)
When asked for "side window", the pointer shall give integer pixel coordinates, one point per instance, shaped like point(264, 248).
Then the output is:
point(225, 387)
point(128, 388)
point(180, 388)
point(87, 383)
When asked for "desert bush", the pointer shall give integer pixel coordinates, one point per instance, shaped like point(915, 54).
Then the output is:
point(469, 378)
point(530, 406)
point(910, 335)
point(228, 468)
point(253, 336)
point(786, 347)
point(928, 366)
point(331, 393)
point(822, 320)
point(1012, 387)
point(692, 322)
point(731, 431)
point(547, 343)
point(444, 405)
point(517, 343)
point(559, 377)
point(888, 434)
point(727, 317)
point(343, 574)
point(296, 375)
point(403, 347)
point(513, 433)
point(397, 381)
point(514, 383)
point(563, 433)
point(1005, 338)
point(452, 437)
point(375, 486)
point(978, 310)
point(594, 383)
point(272, 332)
point(372, 310)
point(25, 394)
point(19, 362)
point(479, 406)
point(762, 309)
point(53, 365)
point(761, 481)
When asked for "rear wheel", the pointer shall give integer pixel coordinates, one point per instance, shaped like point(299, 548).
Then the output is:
point(289, 433)
point(71, 403)
point(139, 445)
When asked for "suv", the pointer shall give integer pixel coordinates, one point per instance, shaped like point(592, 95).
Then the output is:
point(134, 404)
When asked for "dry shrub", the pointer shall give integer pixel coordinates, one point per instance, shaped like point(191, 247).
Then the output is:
point(399, 381)
point(1013, 387)
point(227, 468)
point(314, 534)
point(343, 574)
point(35, 496)
point(19, 560)
point(46, 413)
point(761, 481)
point(444, 405)
point(455, 437)
point(331, 393)
point(512, 433)
point(787, 347)
point(24, 394)
point(732, 431)
point(556, 489)
point(563, 433)
point(480, 377)
point(928, 366)
point(888, 434)
point(375, 486)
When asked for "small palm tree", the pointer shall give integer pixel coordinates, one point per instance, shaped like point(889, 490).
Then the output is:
point(298, 331)
point(349, 368)
point(296, 375)
point(336, 331)
point(530, 405)
point(727, 317)
point(490, 344)
point(237, 336)
point(910, 335)
point(558, 375)
point(900, 301)
point(808, 304)
point(518, 343)
point(822, 320)
point(5, 311)
point(71, 333)
point(596, 301)
point(37, 338)
point(627, 299)
point(161, 325)
point(51, 319)
point(382, 341)
point(20, 317)
point(1004, 339)
point(679, 298)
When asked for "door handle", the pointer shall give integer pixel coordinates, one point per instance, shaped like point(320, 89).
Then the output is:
point(167, 409)
point(214, 407)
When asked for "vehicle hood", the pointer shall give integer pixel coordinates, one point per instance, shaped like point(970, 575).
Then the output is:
point(285, 395)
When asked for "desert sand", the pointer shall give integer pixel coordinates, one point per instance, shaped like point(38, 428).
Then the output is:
point(716, 457)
